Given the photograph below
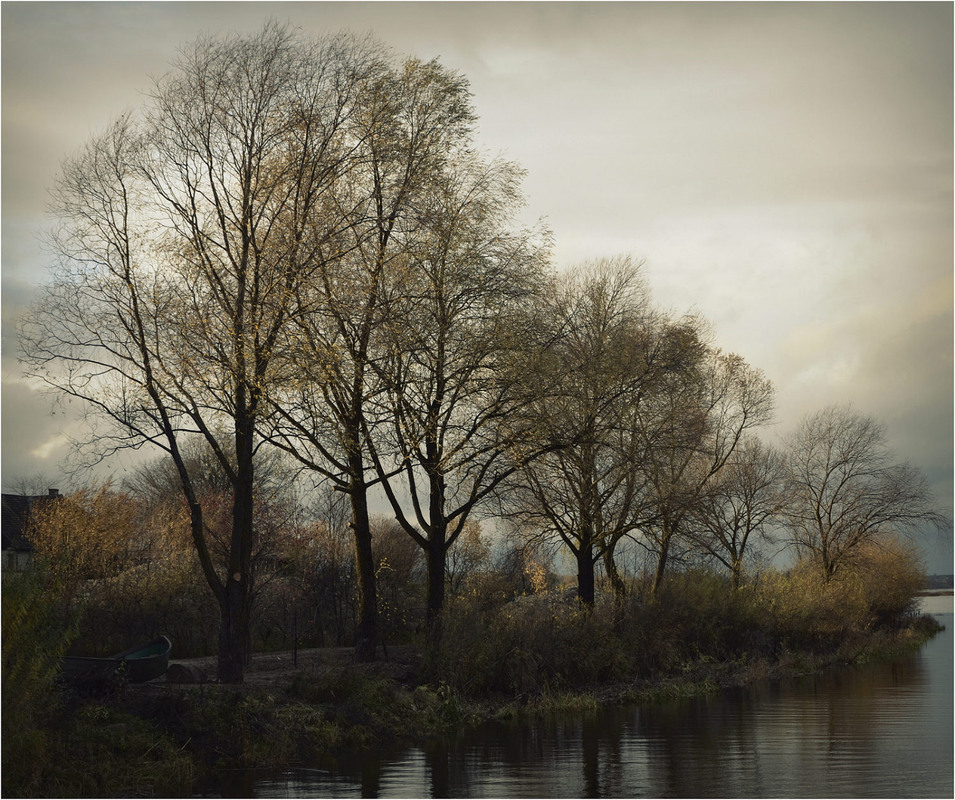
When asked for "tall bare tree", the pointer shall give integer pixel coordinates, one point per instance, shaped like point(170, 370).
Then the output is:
point(453, 384)
point(414, 116)
point(846, 491)
point(183, 233)
point(745, 499)
point(609, 352)
point(691, 429)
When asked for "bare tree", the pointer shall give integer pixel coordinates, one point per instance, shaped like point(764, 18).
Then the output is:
point(453, 384)
point(183, 234)
point(692, 428)
point(747, 496)
point(846, 491)
point(608, 353)
point(413, 115)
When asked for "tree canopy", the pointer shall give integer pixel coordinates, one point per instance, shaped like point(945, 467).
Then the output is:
point(296, 246)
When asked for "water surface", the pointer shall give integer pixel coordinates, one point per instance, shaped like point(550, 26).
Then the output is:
point(878, 731)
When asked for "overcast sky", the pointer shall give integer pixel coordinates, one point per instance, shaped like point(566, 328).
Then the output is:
point(784, 169)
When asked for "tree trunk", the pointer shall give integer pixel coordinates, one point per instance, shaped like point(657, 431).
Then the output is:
point(828, 567)
point(366, 631)
point(585, 575)
point(661, 563)
point(235, 639)
point(437, 550)
point(436, 558)
point(616, 582)
point(737, 572)
point(235, 632)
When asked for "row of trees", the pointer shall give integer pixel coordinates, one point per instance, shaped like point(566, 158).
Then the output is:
point(124, 566)
point(295, 248)
point(251, 259)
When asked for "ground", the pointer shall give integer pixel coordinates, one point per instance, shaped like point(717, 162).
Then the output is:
point(402, 665)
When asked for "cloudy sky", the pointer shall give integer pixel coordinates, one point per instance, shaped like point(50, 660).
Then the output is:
point(784, 169)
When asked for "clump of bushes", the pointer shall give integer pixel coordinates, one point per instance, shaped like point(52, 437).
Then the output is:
point(694, 614)
point(526, 645)
point(36, 635)
point(807, 612)
point(891, 575)
point(121, 753)
point(167, 596)
point(549, 642)
point(875, 591)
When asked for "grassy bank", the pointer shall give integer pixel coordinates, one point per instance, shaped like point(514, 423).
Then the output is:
point(161, 740)
point(536, 655)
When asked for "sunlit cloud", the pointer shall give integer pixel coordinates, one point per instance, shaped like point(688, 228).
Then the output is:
point(45, 450)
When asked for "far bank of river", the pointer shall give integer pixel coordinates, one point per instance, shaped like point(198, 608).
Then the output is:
point(881, 730)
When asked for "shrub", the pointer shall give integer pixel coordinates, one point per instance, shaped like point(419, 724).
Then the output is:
point(694, 615)
point(891, 574)
point(532, 644)
point(466, 654)
point(808, 612)
point(876, 589)
point(167, 596)
point(36, 635)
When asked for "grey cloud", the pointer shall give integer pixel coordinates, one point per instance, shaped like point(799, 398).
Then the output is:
point(786, 168)
point(32, 435)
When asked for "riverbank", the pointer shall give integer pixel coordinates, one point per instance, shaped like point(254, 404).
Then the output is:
point(163, 739)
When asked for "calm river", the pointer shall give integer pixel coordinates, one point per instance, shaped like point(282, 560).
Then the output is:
point(877, 731)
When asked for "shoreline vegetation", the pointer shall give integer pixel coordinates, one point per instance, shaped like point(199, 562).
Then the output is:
point(548, 656)
point(298, 277)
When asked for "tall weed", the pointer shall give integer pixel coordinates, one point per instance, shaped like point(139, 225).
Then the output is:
point(528, 645)
point(36, 635)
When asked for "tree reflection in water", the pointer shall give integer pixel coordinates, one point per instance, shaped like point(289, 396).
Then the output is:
point(882, 730)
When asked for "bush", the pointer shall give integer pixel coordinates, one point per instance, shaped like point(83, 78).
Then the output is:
point(36, 635)
point(532, 644)
point(166, 596)
point(877, 589)
point(810, 613)
point(891, 574)
point(694, 616)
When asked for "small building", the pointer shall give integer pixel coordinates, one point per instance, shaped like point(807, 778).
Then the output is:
point(17, 550)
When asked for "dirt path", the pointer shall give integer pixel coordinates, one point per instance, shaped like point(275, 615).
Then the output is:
point(278, 669)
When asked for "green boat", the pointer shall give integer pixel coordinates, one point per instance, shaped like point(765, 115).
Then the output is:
point(138, 664)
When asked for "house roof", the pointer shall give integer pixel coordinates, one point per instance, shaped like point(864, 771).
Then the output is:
point(16, 515)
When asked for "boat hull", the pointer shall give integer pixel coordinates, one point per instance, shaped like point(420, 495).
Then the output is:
point(139, 664)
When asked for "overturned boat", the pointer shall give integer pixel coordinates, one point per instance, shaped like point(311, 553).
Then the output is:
point(138, 664)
